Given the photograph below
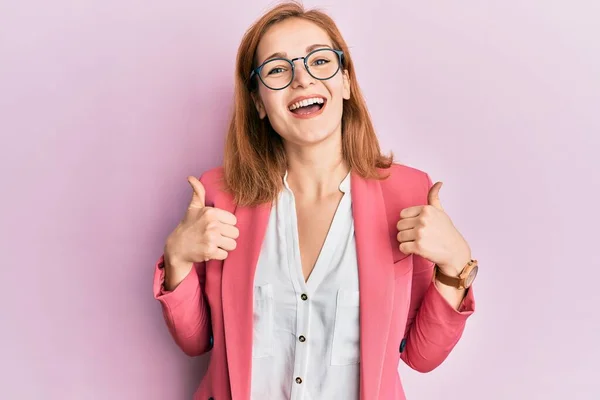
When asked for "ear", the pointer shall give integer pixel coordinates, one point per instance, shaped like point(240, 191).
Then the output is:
point(346, 77)
point(260, 107)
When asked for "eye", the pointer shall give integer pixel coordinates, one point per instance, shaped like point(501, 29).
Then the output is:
point(321, 61)
point(276, 70)
point(275, 67)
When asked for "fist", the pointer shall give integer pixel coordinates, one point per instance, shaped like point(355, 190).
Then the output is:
point(205, 233)
point(428, 231)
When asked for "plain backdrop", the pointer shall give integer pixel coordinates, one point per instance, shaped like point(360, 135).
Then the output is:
point(106, 107)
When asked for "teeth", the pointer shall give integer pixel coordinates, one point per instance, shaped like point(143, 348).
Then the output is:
point(306, 102)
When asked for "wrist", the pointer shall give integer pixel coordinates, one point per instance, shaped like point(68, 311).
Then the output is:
point(456, 266)
point(174, 263)
point(463, 280)
point(174, 274)
point(171, 254)
point(175, 269)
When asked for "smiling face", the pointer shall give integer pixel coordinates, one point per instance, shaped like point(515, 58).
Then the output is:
point(309, 110)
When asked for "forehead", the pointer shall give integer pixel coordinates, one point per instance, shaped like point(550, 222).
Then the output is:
point(291, 37)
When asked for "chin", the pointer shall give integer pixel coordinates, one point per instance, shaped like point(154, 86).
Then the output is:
point(309, 138)
point(308, 132)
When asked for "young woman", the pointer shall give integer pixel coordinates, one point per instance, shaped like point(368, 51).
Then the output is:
point(310, 264)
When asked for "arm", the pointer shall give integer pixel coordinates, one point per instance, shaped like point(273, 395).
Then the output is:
point(438, 313)
point(185, 309)
point(204, 233)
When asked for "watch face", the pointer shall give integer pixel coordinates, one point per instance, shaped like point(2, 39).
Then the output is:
point(471, 276)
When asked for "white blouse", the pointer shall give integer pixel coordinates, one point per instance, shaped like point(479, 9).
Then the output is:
point(306, 334)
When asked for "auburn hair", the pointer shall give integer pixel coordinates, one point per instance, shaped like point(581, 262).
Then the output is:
point(254, 156)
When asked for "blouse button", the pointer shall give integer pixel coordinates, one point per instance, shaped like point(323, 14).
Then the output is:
point(302, 338)
point(304, 296)
point(298, 380)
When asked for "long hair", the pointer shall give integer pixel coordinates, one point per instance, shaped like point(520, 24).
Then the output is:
point(254, 159)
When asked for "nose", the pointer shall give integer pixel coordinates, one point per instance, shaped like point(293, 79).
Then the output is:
point(301, 76)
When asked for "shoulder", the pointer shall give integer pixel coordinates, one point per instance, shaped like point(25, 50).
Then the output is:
point(405, 186)
point(212, 180)
point(212, 177)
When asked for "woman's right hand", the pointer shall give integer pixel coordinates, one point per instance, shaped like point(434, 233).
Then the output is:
point(204, 233)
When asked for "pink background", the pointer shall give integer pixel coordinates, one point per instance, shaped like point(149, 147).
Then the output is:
point(106, 107)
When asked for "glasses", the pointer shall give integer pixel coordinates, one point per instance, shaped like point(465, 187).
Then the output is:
point(278, 73)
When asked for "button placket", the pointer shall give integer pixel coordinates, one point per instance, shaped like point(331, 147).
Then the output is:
point(301, 348)
point(303, 306)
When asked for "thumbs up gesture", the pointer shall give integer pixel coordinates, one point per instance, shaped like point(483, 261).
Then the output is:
point(203, 234)
point(428, 231)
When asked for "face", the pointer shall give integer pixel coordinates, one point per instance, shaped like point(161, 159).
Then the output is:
point(309, 124)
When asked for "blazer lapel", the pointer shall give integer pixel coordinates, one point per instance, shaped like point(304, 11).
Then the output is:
point(237, 294)
point(376, 280)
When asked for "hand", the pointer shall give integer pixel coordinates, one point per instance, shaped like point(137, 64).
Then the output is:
point(205, 233)
point(428, 231)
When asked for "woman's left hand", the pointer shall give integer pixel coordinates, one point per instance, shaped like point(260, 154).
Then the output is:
point(428, 231)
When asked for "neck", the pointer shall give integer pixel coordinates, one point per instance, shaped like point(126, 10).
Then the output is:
point(316, 171)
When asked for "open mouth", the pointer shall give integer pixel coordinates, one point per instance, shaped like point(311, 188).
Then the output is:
point(308, 107)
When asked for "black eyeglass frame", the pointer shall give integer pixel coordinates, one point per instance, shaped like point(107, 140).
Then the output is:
point(257, 70)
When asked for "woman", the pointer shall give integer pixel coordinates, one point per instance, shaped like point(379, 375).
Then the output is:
point(306, 263)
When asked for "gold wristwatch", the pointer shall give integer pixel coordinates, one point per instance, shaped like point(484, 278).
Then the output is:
point(463, 281)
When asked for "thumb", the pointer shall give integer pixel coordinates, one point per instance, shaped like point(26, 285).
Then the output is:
point(199, 195)
point(433, 197)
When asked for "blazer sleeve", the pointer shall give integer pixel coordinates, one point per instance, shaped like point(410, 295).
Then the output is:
point(185, 309)
point(433, 326)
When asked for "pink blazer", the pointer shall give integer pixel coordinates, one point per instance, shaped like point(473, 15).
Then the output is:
point(402, 314)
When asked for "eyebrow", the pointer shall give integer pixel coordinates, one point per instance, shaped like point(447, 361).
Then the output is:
point(310, 48)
